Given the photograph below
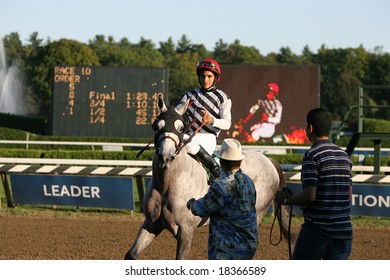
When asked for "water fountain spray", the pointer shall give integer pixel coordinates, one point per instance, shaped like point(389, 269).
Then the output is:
point(11, 90)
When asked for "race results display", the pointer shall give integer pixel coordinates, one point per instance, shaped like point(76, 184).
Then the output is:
point(106, 101)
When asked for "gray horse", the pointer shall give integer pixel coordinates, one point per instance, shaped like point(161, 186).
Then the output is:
point(177, 177)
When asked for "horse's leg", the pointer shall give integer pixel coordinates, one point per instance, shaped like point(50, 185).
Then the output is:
point(146, 235)
point(153, 205)
point(184, 241)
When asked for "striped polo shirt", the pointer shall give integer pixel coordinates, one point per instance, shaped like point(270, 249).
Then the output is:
point(327, 167)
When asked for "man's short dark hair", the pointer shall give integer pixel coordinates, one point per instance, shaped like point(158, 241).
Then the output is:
point(321, 120)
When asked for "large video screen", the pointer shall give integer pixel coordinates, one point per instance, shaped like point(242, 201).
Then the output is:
point(270, 103)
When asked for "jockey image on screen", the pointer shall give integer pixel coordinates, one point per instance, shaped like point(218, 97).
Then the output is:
point(271, 115)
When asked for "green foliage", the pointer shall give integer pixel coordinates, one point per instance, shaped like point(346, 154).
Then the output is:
point(20, 153)
point(125, 54)
point(378, 73)
point(182, 75)
point(342, 70)
point(236, 54)
point(31, 124)
point(62, 52)
point(287, 158)
point(369, 126)
point(75, 154)
point(12, 134)
point(376, 125)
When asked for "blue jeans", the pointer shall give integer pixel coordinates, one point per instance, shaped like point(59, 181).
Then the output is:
point(312, 244)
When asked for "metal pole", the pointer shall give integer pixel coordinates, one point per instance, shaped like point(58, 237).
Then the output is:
point(7, 190)
point(360, 111)
point(141, 191)
point(377, 156)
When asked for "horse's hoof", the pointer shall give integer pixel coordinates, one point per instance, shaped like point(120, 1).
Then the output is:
point(128, 256)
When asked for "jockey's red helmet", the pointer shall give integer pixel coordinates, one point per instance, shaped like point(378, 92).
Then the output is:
point(210, 65)
point(274, 88)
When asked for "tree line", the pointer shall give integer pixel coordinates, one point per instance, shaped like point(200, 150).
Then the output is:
point(342, 70)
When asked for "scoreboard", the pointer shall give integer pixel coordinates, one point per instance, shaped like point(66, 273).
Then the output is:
point(106, 101)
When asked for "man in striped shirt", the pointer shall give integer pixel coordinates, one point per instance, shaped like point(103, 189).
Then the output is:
point(210, 106)
point(326, 195)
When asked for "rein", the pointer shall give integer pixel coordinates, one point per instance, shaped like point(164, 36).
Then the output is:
point(189, 139)
point(278, 214)
point(179, 146)
point(140, 152)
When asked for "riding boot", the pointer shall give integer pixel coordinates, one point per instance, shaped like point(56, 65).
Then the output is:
point(209, 162)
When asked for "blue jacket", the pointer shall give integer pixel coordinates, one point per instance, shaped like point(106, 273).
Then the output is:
point(230, 204)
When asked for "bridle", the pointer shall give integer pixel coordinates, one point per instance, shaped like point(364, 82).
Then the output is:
point(178, 144)
point(163, 134)
point(182, 143)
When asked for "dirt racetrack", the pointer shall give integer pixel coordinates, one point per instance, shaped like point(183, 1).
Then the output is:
point(109, 236)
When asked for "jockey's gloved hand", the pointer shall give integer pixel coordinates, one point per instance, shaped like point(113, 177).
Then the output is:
point(207, 118)
point(190, 202)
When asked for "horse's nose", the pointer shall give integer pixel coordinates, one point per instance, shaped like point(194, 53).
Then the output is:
point(162, 161)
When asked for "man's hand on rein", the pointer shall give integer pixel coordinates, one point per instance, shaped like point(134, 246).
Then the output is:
point(281, 197)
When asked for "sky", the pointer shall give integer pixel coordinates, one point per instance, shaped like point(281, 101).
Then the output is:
point(265, 25)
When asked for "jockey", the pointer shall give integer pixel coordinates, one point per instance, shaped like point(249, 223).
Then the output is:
point(271, 115)
point(209, 106)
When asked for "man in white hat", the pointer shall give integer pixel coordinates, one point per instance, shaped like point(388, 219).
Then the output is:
point(230, 204)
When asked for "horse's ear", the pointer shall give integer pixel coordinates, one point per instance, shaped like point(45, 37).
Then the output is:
point(161, 103)
point(184, 107)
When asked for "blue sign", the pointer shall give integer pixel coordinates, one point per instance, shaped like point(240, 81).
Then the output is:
point(367, 199)
point(370, 200)
point(147, 181)
point(87, 191)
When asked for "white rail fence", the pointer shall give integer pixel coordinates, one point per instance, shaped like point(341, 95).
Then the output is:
point(116, 146)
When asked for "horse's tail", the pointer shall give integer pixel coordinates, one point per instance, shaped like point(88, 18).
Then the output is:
point(283, 216)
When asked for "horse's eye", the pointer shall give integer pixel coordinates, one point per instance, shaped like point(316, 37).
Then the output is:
point(179, 126)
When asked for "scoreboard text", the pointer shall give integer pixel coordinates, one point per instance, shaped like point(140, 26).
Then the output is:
point(106, 101)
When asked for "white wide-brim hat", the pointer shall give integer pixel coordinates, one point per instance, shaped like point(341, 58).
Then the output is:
point(230, 150)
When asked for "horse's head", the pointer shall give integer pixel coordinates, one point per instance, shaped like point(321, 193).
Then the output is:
point(169, 128)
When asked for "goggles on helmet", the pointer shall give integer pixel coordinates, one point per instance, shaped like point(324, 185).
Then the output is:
point(206, 64)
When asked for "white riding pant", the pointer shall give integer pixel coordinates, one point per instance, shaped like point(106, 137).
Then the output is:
point(263, 130)
point(207, 140)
